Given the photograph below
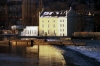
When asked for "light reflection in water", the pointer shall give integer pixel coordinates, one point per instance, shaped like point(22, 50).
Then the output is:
point(37, 55)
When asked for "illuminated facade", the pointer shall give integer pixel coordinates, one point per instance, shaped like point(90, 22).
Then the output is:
point(53, 26)
point(58, 23)
point(30, 31)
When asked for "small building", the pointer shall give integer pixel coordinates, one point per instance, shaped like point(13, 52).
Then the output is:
point(30, 31)
point(89, 22)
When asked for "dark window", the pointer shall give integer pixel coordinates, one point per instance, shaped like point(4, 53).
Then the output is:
point(42, 31)
point(63, 20)
point(63, 25)
point(60, 25)
point(54, 25)
point(42, 25)
point(48, 25)
point(48, 31)
point(54, 31)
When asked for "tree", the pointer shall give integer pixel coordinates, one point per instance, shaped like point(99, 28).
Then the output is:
point(3, 2)
point(59, 6)
point(3, 16)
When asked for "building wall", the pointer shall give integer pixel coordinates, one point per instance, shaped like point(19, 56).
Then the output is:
point(46, 26)
point(71, 22)
point(86, 34)
point(71, 25)
point(30, 31)
point(52, 26)
point(62, 26)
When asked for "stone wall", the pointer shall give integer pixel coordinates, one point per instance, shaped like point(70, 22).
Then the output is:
point(86, 34)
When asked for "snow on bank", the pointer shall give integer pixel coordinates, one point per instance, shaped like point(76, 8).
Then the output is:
point(91, 50)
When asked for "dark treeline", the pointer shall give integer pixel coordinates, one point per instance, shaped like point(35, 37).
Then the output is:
point(82, 7)
point(65, 4)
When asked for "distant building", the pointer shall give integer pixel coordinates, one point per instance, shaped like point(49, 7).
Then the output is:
point(58, 23)
point(71, 22)
point(89, 23)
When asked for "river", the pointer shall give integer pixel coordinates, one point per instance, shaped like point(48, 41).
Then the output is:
point(27, 55)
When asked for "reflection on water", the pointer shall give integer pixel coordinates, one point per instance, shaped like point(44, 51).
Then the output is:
point(37, 55)
point(19, 55)
point(22, 54)
point(18, 50)
point(4, 38)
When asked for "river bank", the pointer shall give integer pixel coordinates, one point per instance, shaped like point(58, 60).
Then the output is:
point(82, 55)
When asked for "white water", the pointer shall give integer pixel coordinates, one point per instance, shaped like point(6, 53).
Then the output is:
point(91, 50)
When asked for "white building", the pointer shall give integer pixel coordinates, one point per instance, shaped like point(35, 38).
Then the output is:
point(58, 23)
point(30, 31)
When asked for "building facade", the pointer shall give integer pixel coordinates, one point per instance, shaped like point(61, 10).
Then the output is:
point(30, 31)
point(58, 23)
point(52, 25)
point(71, 22)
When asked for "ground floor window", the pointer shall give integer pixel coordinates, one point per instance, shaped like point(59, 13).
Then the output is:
point(42, 31)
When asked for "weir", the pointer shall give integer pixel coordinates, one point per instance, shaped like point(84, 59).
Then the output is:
point(42, 42)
